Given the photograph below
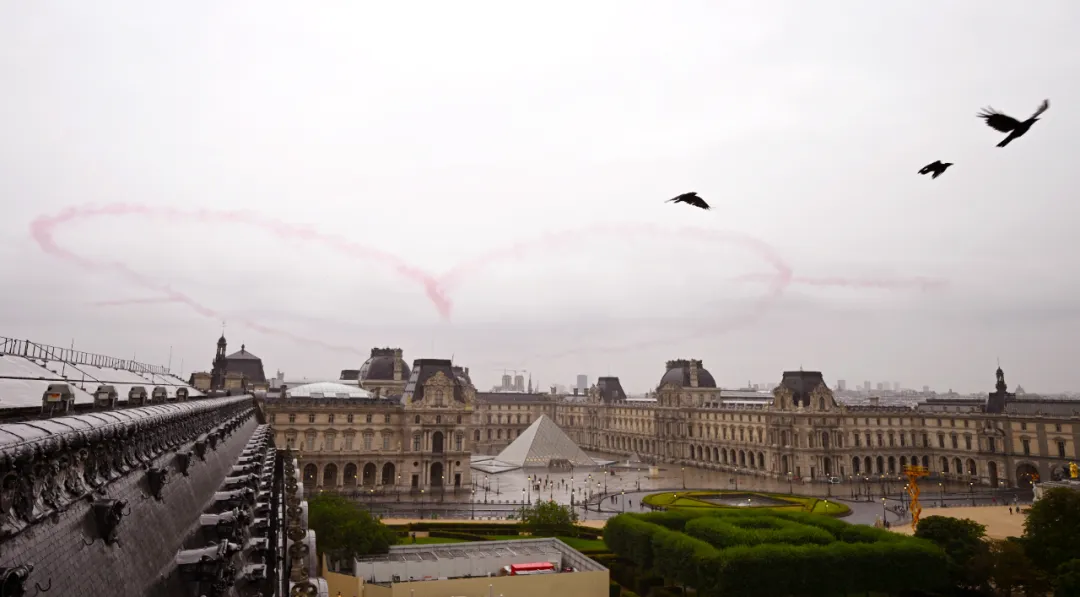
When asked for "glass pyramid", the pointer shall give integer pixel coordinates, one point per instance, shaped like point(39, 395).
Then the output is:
point(541, 443)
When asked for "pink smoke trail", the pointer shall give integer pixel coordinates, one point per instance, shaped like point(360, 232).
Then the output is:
point(42, 228)
point(436, 288)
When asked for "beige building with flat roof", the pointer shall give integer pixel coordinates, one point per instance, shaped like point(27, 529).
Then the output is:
point(473, 570)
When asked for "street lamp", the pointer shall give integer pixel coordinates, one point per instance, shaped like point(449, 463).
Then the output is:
point(684, 477)
point(941, 494)
point(523, 506)
point(624, 501)
point(421, 504)
point(472, 505)
point(789, 488)
point(397, 489)
point(884, 518)
point(971, 491)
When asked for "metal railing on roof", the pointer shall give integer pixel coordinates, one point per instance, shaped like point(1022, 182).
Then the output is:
point(34, 350)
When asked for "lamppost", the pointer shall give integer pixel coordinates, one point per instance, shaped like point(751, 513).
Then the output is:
point(624, 501)
point(884, 518)
point(903, 500)
point(790, 489)
point(421, 504)
point(530, 480)
point(397, 489)
point(487, 483)
point(941, 494)
point(523, 506)
point(826, 507)
point(684, 477)
point(735, 479)
point(472, 505)
point(971, 491)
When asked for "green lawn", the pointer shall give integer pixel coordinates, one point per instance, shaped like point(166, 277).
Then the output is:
point(689, 499)
point(431, 540)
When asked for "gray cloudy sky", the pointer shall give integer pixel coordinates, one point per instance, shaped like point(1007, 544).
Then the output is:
point(446, 133)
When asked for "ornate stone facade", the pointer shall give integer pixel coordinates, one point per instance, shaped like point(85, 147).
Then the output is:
point(417, 441)
point(805, 433)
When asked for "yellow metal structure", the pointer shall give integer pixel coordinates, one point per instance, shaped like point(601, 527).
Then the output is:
point(913, 474)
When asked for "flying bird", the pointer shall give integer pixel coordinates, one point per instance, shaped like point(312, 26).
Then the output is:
point(937, 167)
point(1007, 124)
point(690, 199)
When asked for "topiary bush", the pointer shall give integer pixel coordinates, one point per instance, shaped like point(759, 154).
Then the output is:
point(784, 552)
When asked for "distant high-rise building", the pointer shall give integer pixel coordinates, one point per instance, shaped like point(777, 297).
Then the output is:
point(841, 384)
point(519, 383)
point(582, 382)
point(880, 387)
point(866, 386)
point(926, 389)
point(896, 386)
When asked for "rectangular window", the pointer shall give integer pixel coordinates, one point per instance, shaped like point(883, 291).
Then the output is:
point(330, 418)
point(1061, 449)
point(348, 418)
point(458, 441)
point(292, 418)
point(1027, 446)
point(1023, 425)
point(991, 443)
point(367, 442)
point(311, 418)
point(386, 442)
point(348, 442)
point(367, 418)
point(925, 441)
point(416, 443)
point(967, 442)
point(386, 418)
point(311, 442)
point(955, 444)
point(941, 441)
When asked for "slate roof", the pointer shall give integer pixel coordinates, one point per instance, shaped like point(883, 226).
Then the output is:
point(678, 372)
point(244, 362)
point(611, 389)
point(424, 369)
point(801, 384)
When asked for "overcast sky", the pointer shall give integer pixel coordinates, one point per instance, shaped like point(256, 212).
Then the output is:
point(316, 174)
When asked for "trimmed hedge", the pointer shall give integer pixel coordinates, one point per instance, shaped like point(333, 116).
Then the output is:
point(456, 535)
point(706, 555)
point(755, 531)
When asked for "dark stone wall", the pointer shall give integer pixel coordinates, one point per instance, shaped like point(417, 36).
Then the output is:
point(142, 562)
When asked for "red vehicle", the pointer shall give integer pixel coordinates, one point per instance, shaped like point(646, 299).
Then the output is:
point(532, 568)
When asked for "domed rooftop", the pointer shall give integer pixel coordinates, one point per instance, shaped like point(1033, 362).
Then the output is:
point(678, 372)
point(380, 367)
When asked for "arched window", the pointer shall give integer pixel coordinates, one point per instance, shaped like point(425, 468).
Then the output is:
point(416, 419)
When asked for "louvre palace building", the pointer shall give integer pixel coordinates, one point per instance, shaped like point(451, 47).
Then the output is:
point(391, 427)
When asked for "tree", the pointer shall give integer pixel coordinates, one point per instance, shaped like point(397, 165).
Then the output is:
point(1067, 580)
point(548, 519)
point(1006, 567)
point(1052, 529)
point(345, 530)
point(964, 543)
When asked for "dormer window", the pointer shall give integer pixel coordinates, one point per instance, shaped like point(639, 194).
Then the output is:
point(438, 398)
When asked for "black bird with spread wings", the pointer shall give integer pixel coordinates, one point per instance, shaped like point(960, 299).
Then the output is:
point(937, 167)
point(1007, 124)
point(690, 199)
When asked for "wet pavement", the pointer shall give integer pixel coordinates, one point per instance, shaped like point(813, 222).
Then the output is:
point(622, 487)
